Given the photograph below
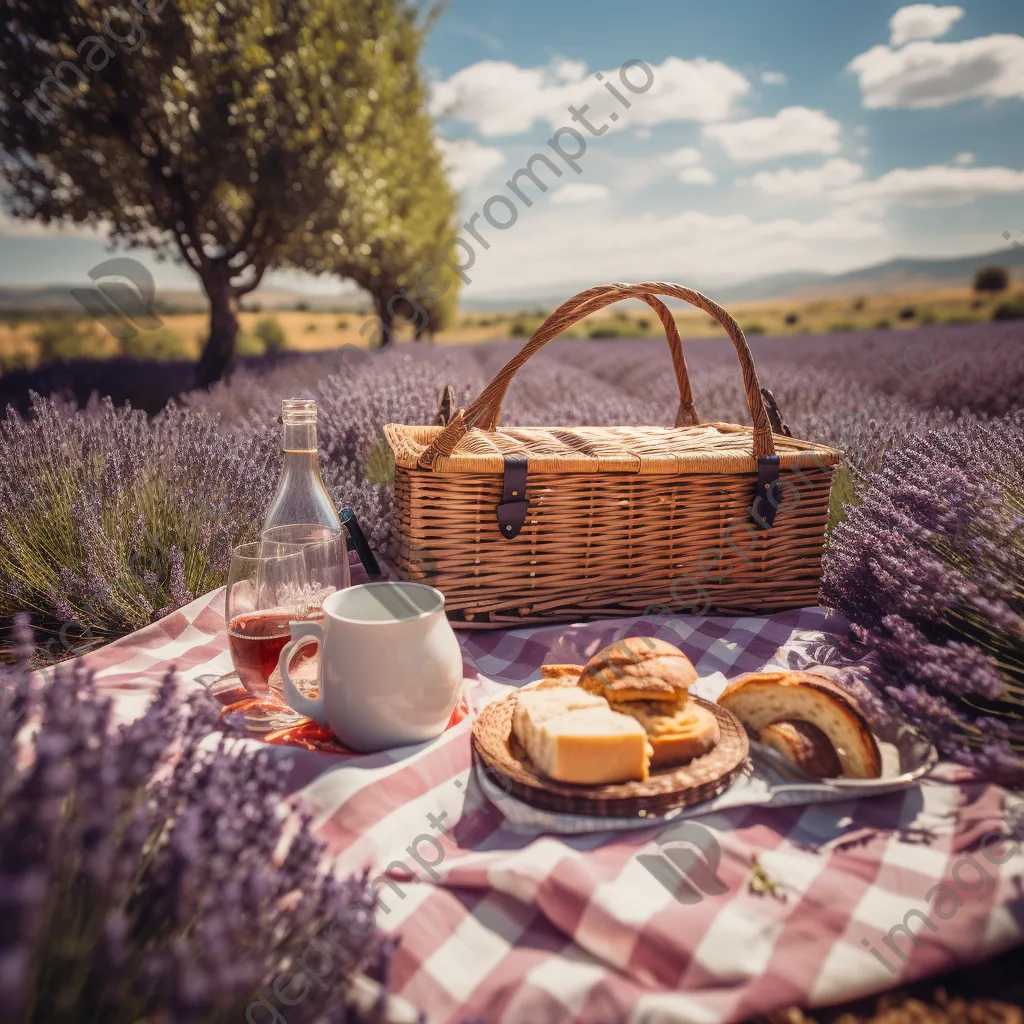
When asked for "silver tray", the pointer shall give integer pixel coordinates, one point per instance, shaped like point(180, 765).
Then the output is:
point(907, 754)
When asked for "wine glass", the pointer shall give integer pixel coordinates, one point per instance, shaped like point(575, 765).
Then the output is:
point(325, 569)
point(267, 588)
point(324, 555)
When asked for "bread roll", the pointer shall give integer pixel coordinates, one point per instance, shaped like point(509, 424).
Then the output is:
point(639, 668)
point(761, 699)
point(805, 745)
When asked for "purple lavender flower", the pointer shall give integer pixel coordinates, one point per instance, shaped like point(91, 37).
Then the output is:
point(928, 568)
point(138, 876)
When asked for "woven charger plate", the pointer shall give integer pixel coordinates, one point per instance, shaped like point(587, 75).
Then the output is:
point(701, 779)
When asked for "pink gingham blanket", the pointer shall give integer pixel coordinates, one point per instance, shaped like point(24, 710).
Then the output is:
point(524, 929)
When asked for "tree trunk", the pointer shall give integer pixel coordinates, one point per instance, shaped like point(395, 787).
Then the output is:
point(382, 300)
point(218, 358)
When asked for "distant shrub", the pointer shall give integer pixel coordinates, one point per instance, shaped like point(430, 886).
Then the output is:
point(621, 316)
point(860, 304)
point(959, 319)
point(928, 318)
point(61, 338)
point(792, 319)
point(12, 361)
point(644, 324)
point(606, 331)
point(342, 324)
point(978, 304)
point(310, 328)
point(162, 344)
point(992, 279)
point(1009, 310)
point(753, 329)
point(249, 345)
point(519, 330)
point(253, 307)
point(907, 313)
point(301, 307)
point(269, 331)
point(883, 325)
point(841, 327)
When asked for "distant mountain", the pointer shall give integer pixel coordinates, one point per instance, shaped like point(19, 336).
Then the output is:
point(898, 275)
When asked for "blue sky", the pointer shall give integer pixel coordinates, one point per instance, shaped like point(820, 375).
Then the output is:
point(796, 134)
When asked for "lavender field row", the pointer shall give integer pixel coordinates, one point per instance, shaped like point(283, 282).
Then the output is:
point(111, 518)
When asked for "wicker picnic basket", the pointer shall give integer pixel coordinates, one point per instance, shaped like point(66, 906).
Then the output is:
point(534, 524)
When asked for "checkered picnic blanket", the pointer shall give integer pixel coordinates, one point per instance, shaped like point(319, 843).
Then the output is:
point(516, 928)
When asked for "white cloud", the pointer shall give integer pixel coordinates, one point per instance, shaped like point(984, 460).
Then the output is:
point(570, 248)
point(813, 181)
point(938, 185)
point(685, 157)
point(790, 132)
point(467, 162)
point(501, 98)
point(927, 74)
point(581, 192)
point(697, 176)
point(773, 78)
point(964, 159)
point(922, 21)
point(643, 133)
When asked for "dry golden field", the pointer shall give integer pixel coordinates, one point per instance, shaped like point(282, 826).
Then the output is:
point(182, 334)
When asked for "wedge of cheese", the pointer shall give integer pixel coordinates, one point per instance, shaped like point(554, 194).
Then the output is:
point(534, 707)
point(571, 738)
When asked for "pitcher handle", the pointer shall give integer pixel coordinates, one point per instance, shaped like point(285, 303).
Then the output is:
point(308, 706)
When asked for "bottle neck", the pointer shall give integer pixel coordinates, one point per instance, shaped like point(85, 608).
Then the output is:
point(299, 438)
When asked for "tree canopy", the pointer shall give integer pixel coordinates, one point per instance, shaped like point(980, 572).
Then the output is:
point(400, 209)
point(219, 133)
point(992, 279)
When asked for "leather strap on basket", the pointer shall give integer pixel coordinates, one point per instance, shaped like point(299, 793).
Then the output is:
point(485, 411)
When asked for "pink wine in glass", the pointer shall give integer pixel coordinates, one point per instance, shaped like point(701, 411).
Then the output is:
point(256, 640)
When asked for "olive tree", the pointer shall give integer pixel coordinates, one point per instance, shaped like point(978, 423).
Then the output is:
point(213, 133)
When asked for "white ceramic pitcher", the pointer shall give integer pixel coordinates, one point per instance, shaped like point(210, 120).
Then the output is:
point(390, 666)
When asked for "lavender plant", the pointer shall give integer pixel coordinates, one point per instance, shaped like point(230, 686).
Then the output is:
point(147, 877)
point(108, 519)
point(928, 567)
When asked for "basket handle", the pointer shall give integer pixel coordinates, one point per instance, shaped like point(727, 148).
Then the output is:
point(485, 410)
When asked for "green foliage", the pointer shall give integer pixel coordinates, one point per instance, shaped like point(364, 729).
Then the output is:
point(519, 329)
point(220, 134)
point(389, 235)
point(342, 324)
point(162, 344)
point(644, 324)
point(608, 331)
point(269, 331)
point(992, 279)
point(247, 344)
point(883, 325)
point(62, 338)
point(379, 463)
point(1012, 310)
point(841, 327)
point(753, 328)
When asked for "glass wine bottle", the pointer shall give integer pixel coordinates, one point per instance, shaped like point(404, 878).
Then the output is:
point(301, 498)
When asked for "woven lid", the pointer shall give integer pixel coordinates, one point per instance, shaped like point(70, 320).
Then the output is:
point(666, 451)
